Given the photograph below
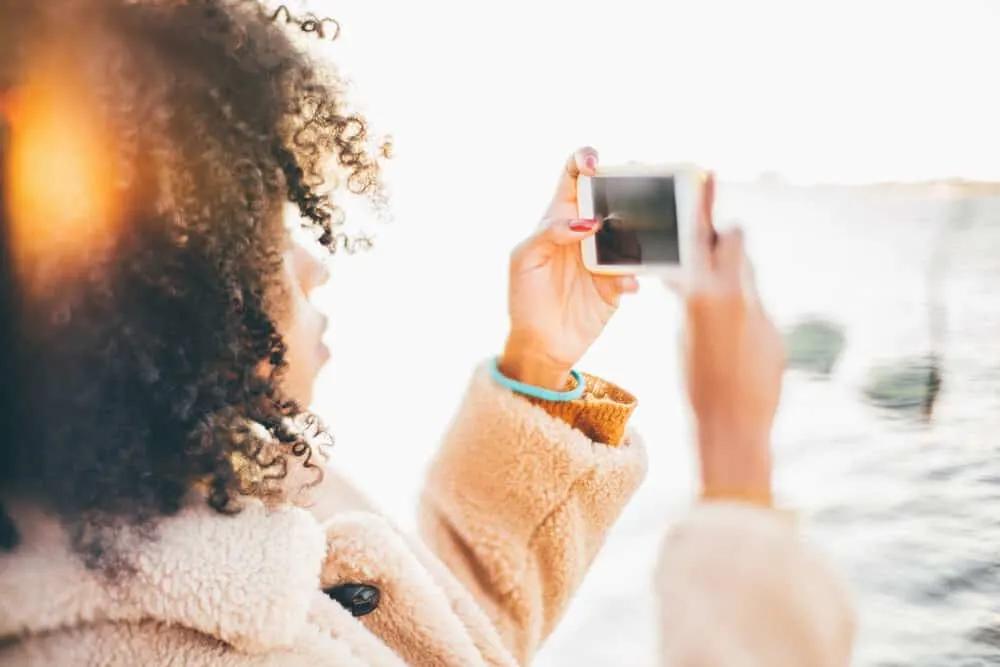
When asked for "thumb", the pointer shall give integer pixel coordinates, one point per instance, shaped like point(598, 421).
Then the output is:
point(676, 283)
point(563, 231)
point(730, 256)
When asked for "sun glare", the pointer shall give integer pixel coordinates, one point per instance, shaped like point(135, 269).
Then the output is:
point(61, 191)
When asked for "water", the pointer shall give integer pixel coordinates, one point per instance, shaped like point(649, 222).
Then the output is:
point(906, 509)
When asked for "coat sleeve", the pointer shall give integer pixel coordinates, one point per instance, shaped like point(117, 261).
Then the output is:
point(521, 495)
point(738, 586)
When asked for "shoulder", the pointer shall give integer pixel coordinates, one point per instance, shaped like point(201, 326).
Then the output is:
point(154, 644)
point(246, 579)
point(239, 590)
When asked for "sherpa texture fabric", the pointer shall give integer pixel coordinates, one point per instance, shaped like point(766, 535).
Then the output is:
point(517, 505)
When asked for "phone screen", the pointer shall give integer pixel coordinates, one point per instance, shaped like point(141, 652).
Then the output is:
point(639, 220)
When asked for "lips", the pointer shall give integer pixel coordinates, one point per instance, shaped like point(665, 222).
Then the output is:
point(323, 353)
point(322, 349)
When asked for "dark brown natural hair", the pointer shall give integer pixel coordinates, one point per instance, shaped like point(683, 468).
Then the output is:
point(137, 375)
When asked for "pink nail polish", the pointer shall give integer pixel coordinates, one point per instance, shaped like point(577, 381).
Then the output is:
point(582, 225)
point(590, 162)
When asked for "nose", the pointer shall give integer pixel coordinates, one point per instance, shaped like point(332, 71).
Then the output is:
point(321, 274)
point(311, 272)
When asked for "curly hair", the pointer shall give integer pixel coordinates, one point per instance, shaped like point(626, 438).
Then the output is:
point(137, 376)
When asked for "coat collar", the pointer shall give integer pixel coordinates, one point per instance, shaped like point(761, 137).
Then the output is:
point(247, 579)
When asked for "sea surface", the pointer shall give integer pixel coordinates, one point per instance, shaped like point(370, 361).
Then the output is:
point(908, 509)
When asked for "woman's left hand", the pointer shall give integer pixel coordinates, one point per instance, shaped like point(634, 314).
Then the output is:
point(557, 307)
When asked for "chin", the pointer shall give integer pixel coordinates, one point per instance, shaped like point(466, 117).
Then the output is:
point(305, 400)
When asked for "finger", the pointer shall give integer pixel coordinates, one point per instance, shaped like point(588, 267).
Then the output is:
point(748, 276)
point(730, 255)
point(749, 279)
point(705, 234)
point(608, 290)
point(561, 231)
point(611, 288)
point(627, 284)
point(675, 283)
point(582, 162)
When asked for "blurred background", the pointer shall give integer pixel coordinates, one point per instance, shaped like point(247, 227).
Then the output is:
point(855, 139)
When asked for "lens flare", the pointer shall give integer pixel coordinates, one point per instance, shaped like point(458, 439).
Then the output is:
point(61, 189)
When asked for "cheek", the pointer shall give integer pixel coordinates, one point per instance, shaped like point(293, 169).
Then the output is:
point(297, 378)
point(303, 334)
point(297, 341)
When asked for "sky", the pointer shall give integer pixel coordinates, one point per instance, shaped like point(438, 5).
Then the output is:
point(485, 101)
point(845, 90)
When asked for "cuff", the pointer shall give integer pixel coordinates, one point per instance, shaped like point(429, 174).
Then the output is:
point(748, 496)
point(507, 464)
point(755, 507)
point(602, 413)
point(743, 576)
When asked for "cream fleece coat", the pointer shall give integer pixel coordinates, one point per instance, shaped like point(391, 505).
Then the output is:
point(517, 505)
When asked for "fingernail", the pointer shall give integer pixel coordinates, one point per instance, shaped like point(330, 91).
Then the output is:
point(590, 162)
point(627, 283)
point(582, 225)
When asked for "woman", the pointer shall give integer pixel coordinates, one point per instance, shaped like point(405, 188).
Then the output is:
point(164, 489)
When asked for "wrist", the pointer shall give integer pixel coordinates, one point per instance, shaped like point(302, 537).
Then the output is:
point(734, 462)
point(522, 363)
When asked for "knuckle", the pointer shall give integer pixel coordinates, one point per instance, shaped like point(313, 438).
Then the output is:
point(518, 253)
point(547, 223)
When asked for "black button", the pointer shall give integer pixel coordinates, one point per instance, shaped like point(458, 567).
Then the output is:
point(359, 599)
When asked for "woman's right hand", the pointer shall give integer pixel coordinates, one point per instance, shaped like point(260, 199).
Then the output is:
point(734, 361)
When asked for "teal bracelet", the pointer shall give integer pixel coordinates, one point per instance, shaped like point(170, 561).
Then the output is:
point(538, 392)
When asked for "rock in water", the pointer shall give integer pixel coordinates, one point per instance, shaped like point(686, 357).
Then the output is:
point(906, 385)
point(814, 345)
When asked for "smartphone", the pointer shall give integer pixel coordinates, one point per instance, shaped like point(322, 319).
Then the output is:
point(647, 215)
